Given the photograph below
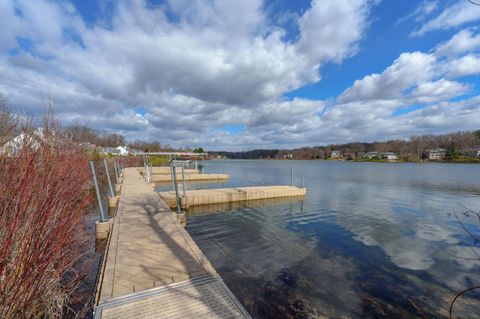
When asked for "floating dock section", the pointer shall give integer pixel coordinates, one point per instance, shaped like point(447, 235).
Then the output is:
point(162, 174)
point(153, 268)
point(189, 177)
point(226, 195)
point(166, 170)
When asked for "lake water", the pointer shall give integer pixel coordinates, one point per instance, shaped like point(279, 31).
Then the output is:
point(370, 240)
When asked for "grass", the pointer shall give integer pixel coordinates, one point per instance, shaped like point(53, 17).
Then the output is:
point(158, 160)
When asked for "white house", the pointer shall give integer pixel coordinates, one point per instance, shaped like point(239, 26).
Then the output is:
point(335, 154)
point(15, 144)
point(110, 151)
point(372, 155)
point(391, 156)
point(123, 150)
point(436, 154)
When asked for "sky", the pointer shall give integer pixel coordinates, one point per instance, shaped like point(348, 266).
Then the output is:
point(246, 74)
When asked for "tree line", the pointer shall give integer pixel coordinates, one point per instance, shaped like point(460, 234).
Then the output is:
point(85, 134)
point(456, 144)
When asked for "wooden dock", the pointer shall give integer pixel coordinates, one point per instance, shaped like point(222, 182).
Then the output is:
point(153, 268)
point(166, 170)
point(227, 195)
point(189, 177)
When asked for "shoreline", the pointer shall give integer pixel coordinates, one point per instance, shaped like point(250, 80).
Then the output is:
point(469, 161)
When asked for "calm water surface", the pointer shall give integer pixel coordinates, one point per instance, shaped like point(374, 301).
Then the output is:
point(370, 240)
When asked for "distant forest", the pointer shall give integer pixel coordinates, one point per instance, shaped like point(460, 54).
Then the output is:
point(457, 145)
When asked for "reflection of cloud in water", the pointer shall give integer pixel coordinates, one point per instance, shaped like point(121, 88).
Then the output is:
point(411, 237)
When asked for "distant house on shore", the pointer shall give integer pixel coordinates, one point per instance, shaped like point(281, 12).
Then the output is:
point(436, 154)
point(110, 151)
point(123, 150)
point(391, 156)
point(336, 154)
point(372, 155)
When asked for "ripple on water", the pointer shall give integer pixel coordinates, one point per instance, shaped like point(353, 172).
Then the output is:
point(367, 241)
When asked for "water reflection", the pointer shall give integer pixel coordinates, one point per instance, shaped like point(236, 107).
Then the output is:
point(368, 241)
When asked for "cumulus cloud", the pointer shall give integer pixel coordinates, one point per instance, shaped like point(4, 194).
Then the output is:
point(428, 92)
point(195, 65)
point(408, 70)
point(196, 68)
point(466, 65)
point(330, 29)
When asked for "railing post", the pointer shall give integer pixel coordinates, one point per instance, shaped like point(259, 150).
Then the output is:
point(175, 184)
point(99, 200)
point(108, 178)
point(150, 172)
point(183, 181)
point(116, 171)
point(171, 174)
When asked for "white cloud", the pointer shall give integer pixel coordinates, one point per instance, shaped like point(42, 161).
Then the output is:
point(408, 70)
point(196, 67)
point(464, 41)
point(452, 16)
point(330, 30)
point(429, 92)
point(466, 65)
point(421, 12)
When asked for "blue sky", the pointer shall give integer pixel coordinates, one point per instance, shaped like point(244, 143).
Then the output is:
point(247, 74)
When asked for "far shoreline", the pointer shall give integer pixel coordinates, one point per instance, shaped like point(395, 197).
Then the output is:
point(463, 161)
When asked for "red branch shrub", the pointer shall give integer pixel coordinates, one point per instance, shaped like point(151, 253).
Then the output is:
point(44, 190)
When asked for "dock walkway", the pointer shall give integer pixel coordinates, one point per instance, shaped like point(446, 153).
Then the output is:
point(153, 268)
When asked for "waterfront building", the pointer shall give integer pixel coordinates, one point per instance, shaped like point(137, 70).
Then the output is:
point(436, 154)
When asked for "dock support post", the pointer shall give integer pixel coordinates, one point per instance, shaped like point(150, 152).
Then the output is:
point(97, 191)
point(291, 175)
point(108, 178)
